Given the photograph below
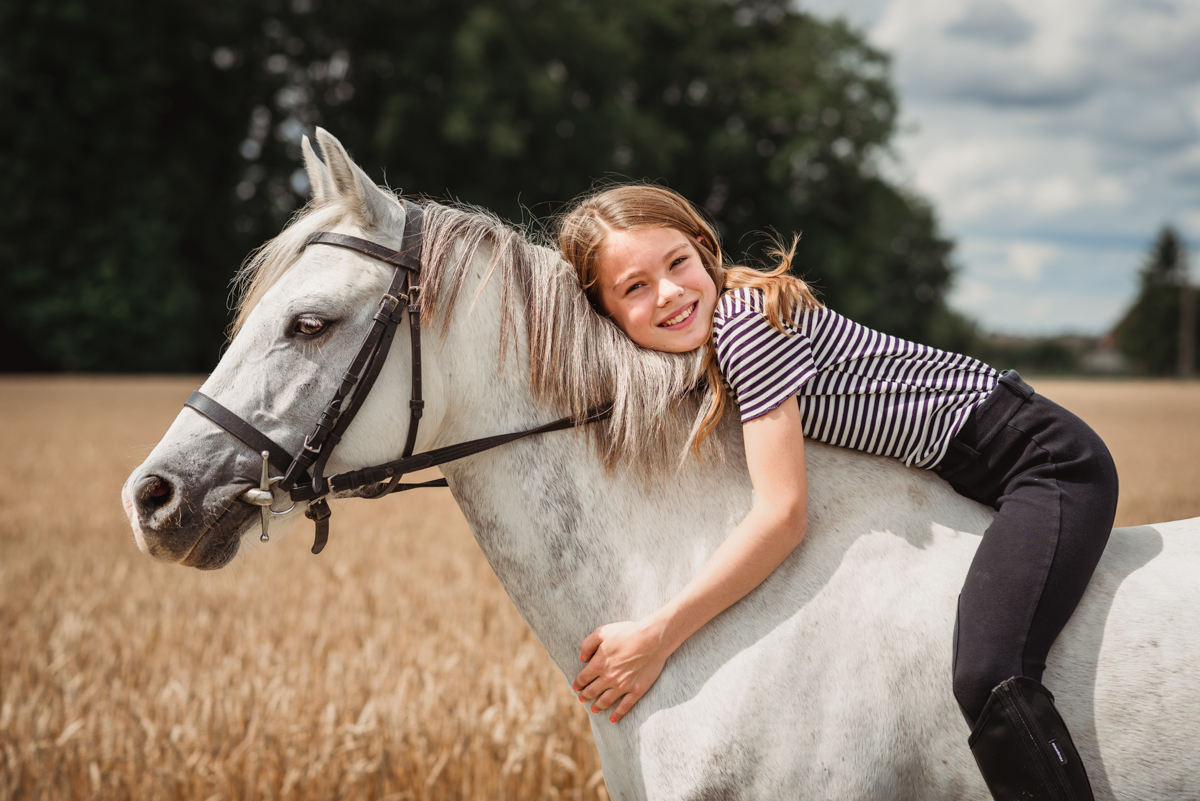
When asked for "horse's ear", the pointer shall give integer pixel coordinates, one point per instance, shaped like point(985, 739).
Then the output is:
point(318, 174)
point(378, 208)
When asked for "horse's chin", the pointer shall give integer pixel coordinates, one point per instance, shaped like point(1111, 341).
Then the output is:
point(219, 544)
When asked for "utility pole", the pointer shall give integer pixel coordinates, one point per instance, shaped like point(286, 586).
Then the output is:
point(1187, 328)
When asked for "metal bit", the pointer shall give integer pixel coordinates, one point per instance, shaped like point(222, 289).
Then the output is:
point(265, 485)
point(261, 496)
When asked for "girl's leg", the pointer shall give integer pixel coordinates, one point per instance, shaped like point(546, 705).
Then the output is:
point(1054, 486)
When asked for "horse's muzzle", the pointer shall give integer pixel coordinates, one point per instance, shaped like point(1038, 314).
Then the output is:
point(203, 533)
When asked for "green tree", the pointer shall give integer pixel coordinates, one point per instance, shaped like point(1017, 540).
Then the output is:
point(156, 144)
point(767, 117)
point(1148, 335)
point(117, 163)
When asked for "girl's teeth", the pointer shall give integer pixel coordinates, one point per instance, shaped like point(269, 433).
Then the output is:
point(682, 316)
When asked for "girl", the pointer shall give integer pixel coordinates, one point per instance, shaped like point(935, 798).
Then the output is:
point(650, 262)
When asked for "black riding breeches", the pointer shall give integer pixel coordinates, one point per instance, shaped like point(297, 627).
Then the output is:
point(1054, 487)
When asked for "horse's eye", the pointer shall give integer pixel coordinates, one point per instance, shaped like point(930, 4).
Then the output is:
point(309, 326)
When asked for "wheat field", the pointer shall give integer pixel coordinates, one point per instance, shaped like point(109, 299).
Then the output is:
point(390, 667)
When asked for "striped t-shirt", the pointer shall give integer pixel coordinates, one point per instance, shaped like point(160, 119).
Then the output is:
point(857, 388)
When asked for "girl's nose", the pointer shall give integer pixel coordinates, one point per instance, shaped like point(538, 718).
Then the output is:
point(668, 291)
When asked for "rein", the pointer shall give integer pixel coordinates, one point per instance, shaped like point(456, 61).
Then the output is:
point(302, 476)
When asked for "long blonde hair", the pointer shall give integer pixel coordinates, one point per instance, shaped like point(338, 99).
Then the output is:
point(631, 207)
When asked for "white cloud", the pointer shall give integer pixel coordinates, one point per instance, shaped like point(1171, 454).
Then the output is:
point(1041, 286)
point(1054, 140)
point(970, 295)
point(1027, 259)
point(1190, 221)
point(994, 22)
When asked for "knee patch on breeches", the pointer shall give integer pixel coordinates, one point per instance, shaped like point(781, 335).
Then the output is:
point(975, 674)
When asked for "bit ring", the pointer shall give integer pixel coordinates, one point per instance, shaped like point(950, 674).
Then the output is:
point(271, 505)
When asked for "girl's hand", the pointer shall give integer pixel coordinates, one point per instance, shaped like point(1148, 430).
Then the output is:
point(624, 660)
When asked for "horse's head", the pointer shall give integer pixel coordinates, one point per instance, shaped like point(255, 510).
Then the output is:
point(486, 290)
point(305, 311)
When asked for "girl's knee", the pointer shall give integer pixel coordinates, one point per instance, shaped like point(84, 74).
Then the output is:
point(972, 689)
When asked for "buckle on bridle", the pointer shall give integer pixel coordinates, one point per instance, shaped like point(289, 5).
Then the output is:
point(307, 444)
point(389, 305)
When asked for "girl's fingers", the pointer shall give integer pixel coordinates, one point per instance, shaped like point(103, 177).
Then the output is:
point(623, 708)
point(590, 673)
point(589, 691)
point(586, 653)
point(587, 648)
point(606, 699)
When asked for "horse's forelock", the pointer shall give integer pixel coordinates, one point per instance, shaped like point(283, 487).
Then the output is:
point(265, 266)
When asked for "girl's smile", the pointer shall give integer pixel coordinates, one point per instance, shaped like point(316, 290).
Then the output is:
point(653, 284)
point(686, 314)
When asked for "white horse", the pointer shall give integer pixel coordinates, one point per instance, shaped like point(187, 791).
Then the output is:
point(831, 680)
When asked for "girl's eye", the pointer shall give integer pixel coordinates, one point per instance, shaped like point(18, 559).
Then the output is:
point(633, 287)
point(309, 326)
point(679, 261)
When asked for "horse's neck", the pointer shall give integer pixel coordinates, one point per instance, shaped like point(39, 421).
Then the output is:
point(574, 546)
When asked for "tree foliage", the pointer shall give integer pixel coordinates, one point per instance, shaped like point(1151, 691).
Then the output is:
point(117, 162)
point(1148, 335)
point(158, 144)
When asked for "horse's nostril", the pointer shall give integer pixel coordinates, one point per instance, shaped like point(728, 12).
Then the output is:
point(155, 493)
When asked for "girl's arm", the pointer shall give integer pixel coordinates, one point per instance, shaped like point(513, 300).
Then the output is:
point(625, 659)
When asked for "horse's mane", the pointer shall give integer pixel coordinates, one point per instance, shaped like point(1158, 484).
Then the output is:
point(577, 359)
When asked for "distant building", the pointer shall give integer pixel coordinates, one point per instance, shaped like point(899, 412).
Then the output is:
point(1104, 358)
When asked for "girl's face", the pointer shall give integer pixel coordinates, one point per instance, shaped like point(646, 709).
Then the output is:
point(654, 286)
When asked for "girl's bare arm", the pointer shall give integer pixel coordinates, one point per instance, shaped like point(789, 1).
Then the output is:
point(624, 659)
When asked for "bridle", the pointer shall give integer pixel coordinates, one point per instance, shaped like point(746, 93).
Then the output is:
point(303, 476)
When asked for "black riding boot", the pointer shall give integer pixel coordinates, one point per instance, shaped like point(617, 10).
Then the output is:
point(1023, 748)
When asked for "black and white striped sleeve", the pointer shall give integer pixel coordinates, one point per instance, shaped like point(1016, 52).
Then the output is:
point(762, 366)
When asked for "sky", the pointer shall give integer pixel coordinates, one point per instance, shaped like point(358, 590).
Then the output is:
point(1054, 139)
